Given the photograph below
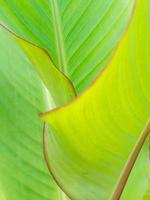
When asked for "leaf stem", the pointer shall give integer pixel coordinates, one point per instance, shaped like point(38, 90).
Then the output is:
point(122, 182)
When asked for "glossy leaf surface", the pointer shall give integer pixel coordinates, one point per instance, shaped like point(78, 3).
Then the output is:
point(96, 133)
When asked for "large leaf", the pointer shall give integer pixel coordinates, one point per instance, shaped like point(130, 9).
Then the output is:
point(78, 34)
point(96, 134)
point(23, 174)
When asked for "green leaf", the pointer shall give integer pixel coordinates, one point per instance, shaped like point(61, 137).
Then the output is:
point(32, 20)
point(79, 35)
point(23, 173)
point(59, 86)
point(147, 193)
point(96, 134)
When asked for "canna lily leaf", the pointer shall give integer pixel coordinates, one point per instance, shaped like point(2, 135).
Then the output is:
point(79, 35)
point(95, 135)
point(23, 174)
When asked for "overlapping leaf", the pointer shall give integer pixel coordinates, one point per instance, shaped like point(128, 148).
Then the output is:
point(95, 135)
point(78, 34)
point(23, 173)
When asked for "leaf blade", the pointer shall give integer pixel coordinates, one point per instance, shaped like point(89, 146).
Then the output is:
point(117, 103)
point(23, 95)
point(71, 31)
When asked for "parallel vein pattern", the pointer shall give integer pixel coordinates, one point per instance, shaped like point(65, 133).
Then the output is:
point(96, 134)
point(23, 174)
point(79, 35)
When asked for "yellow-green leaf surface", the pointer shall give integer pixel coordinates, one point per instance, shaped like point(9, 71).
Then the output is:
point(147, 193)
point(78, 34)
point(23, 173)
point(58, 85)
point(95, 134)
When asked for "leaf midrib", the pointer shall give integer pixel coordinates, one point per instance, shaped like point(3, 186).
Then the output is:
point(62, 63)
